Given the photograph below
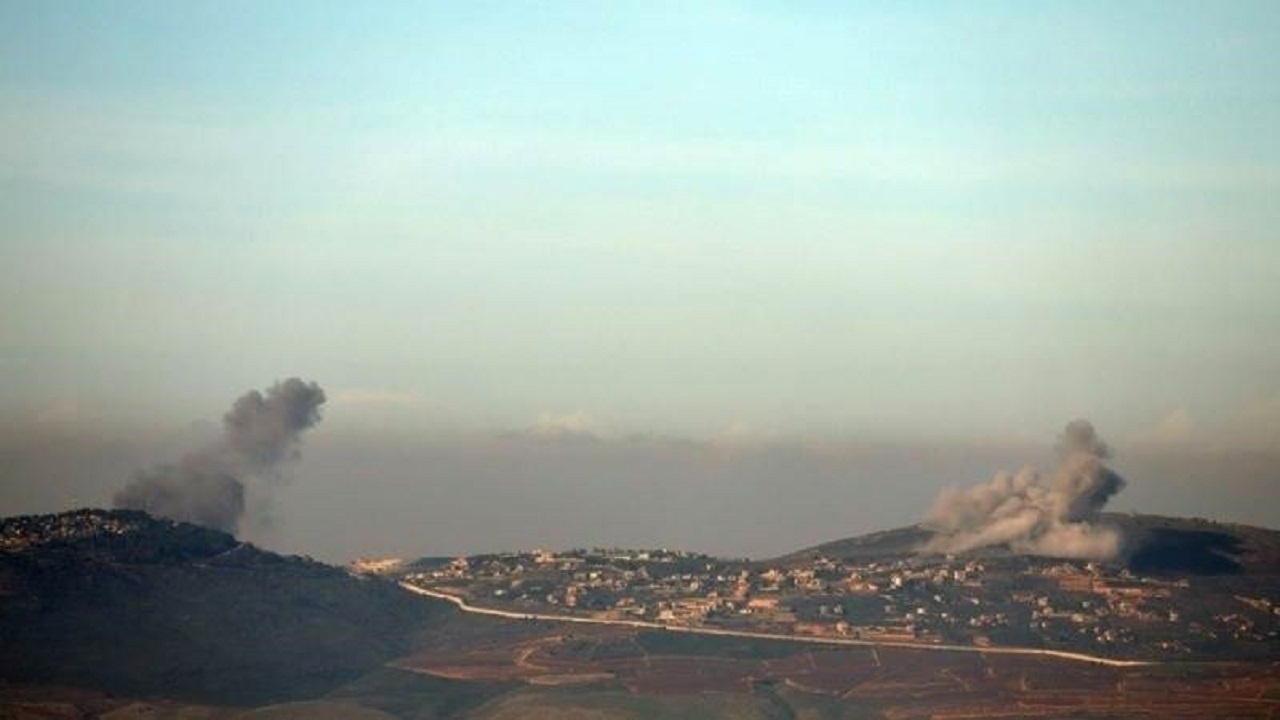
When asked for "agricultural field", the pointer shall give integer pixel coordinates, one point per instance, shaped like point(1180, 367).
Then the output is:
point(598, 663)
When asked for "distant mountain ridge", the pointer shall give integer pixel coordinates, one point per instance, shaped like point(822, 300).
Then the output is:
point(1153, 544)
point(125, 602)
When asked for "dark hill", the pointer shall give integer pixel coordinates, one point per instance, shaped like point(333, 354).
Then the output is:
point(126, 603)
point(1193, 546)
point(884, 545)
point(1154, 545)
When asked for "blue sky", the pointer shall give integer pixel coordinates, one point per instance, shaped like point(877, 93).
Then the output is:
point(812, 218)
point(836, 220)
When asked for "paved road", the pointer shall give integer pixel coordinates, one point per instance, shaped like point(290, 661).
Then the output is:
point(1060, 654)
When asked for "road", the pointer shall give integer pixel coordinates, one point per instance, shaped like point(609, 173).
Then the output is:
point(645, 625)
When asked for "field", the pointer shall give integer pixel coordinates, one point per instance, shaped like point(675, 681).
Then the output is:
point(483, 668)
point(612, 674)
point(557, 664)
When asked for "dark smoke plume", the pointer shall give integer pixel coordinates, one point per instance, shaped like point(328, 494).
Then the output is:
point(207, 486)
point(262, 430)
point(1034, 515)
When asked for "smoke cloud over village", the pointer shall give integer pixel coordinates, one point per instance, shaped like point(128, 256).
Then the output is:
point(1053, 515)
point(207, 486)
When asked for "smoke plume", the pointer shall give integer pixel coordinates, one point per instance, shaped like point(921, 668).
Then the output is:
point(207, 486)
point(1033, 515)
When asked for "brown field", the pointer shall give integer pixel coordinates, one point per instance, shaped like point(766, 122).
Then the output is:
point(891, 682)
point(825, 672)
point(49, 702)
point(570, 679)
point(687, 676)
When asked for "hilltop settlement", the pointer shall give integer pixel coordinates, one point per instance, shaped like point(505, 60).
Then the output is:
point(117, 613)
point(984, 601)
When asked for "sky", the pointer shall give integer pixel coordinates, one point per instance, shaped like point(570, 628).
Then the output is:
point(490, 230)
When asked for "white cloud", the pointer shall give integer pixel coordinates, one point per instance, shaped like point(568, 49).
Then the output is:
point(576, 425)
point(1252, 425)
point(373, 396)
point(742, 435)
point(1175, 428)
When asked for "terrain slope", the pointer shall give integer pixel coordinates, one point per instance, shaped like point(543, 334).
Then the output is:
point(123, 602)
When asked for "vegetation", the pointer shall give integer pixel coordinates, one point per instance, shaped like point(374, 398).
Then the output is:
point(142, 618)
point(148, 607)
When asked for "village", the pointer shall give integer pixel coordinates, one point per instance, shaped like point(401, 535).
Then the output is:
point(27, 531)
point(991, 599)
point(982, 601)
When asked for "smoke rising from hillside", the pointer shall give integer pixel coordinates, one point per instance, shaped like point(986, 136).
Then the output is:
point(207, 486)
point(1034, 515)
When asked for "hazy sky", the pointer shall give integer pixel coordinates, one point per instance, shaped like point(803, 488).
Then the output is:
point(850, 221)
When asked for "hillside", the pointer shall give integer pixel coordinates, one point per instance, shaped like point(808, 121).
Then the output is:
point(1193, 546)
point(883, 545)
point(126, 603)
point(123, 615)
point(1154, 544)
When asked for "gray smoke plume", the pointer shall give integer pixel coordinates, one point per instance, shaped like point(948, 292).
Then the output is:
point(207, 486)
point(262, 430)
point(1033, 515)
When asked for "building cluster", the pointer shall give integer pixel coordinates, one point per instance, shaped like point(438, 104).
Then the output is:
point(1000, 600)
point(376, 566)
point(19, 533)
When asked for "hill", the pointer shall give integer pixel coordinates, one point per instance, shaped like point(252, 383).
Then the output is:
point(123, 602)
point(1193, 546)
point(1153, 544)
point(883, 545)
point(119, 614)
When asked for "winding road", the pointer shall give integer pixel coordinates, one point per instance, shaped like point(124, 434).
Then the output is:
point(645, 625)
